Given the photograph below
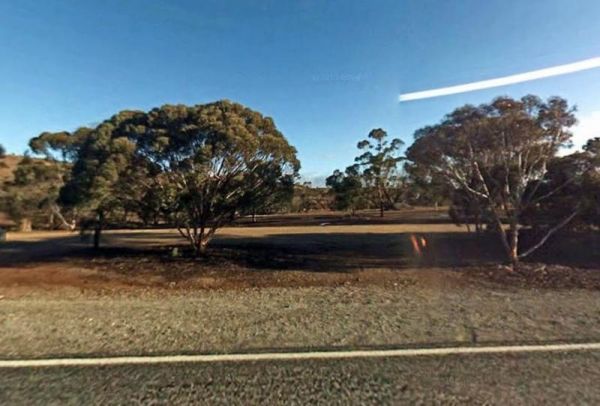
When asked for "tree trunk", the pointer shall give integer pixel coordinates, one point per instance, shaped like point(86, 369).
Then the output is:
point(506, 241)
point(253, 217)
point(57, 214)
point(200, 248)
point(98, 230)
point(513, 243)
point(97, 234)
point(380, 195)
point(25, 225)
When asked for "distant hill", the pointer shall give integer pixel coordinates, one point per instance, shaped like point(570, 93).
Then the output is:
point(10, 163)
point(7, 167)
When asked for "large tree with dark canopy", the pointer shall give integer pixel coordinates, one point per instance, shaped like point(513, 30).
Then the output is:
point(213, 161)
point(576, 178)
point(499, 154)
point(105, 172)
point(203, 164)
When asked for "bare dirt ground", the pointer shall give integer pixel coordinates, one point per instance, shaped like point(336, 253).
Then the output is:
point(286, 256)
point(286, 287)
point(240, 258)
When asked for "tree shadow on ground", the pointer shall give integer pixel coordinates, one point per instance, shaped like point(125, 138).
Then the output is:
point(575, 249)
point(30, 252)
point(349, 251)
point(431, 216)
point(324, 252)
point(310, 252)
point(136, 253)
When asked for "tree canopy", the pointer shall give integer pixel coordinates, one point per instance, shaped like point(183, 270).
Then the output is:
point(201, 164)
point(575, 180)
point(347, 189)
point(498, 153)
point(30, 198)
point(379, 163)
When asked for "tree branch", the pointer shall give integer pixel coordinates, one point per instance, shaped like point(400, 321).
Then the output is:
point(549, 233)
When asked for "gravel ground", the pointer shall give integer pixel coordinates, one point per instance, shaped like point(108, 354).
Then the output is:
point(243, 320)
point(551, 378)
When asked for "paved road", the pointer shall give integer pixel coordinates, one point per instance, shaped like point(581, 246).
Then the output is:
point(533, 378)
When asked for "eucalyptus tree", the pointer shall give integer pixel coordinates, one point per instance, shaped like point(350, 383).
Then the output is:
point(347, 189)
point(307, 197)
point(499, 154)
point(576, 178)
point(379, 164)
point(201, 166)
point(211, 162)
point(105, 171)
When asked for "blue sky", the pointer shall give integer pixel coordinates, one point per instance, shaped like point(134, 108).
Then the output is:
point(326, 71)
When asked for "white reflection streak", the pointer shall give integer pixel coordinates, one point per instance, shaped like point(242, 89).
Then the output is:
point(503, 81)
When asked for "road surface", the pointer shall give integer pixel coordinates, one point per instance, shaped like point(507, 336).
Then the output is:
point(522, 378)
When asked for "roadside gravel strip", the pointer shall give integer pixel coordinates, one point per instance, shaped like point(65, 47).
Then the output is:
point(206, 322)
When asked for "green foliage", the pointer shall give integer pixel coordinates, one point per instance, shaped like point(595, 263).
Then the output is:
point(2, 151)
point(61, 145)
point(31, 196)
point(347, 189)
point(379, 164)
point(213, 161)
point(498, 153)
point(426, 187)
point(103, 175)
point(198, 166)
point(308, 198)
point(575, 180)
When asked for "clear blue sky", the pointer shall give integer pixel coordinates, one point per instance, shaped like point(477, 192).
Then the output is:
point(326, 71)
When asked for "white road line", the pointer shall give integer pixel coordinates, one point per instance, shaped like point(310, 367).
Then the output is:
point(289, 356)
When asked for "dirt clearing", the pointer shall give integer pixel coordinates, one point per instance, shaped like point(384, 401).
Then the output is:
point(298, 256)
